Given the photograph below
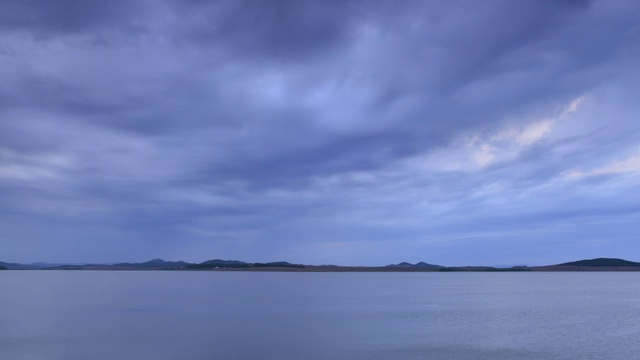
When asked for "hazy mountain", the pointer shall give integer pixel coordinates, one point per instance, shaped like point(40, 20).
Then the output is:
point(599, 264)
point(151, 265)
point(37, 265)
point(420, 265)
point(16, 266)
point(154, 264)
point(73, 267)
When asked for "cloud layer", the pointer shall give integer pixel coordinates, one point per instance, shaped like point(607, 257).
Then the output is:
point(349, 132)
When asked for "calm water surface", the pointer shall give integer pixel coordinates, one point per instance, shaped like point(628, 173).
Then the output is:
point(71, 315)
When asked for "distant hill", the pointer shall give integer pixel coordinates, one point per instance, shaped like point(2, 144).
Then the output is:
point(223, 262)
point(72, 267)
point(32, 266)
point(602, 262)
point(599, 264)
point(235, 264)
point(420, 265)
point(277, 264)
point(3, 268)
point(16, 266)
point(485, 269)
point(154, 264)
point(218, 263)
point(5, 265)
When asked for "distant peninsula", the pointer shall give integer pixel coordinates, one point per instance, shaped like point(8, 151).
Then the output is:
point(599, 264)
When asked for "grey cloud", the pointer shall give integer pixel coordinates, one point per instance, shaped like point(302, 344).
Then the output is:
point(276, 30)
point(287, 125)
point(45, 18)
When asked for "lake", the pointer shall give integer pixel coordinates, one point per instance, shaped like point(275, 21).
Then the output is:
point(99, 315)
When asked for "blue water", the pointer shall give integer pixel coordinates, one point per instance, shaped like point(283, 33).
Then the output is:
point(98, 315)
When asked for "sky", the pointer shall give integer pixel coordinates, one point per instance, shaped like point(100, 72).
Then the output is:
point(471, 132)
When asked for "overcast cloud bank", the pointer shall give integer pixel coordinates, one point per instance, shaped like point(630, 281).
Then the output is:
point(349, 132)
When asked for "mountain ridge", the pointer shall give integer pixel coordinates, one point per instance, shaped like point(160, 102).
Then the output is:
point(596, 264)
point(418, 265)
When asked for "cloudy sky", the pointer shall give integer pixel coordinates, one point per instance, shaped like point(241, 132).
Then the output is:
point(343, 132)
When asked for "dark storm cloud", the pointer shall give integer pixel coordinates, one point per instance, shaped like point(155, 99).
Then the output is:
point(314, 129)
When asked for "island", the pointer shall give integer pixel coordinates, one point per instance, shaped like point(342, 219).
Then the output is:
point(598, 264)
